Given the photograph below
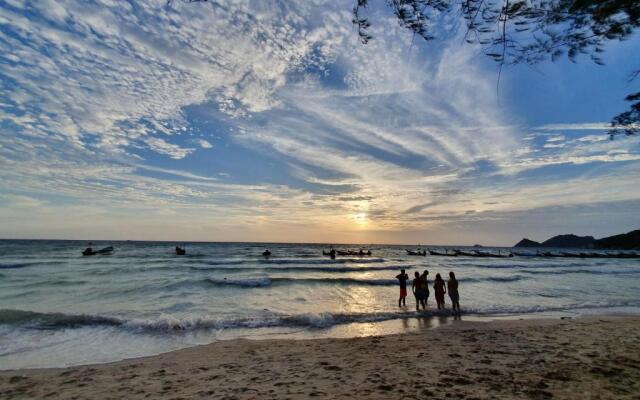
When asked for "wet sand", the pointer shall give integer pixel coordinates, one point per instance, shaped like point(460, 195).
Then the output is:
point(581, 358)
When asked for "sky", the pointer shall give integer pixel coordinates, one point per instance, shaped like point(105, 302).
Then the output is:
point(269, 121)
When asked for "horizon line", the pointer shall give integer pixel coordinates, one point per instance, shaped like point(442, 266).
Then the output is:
point(250, 242)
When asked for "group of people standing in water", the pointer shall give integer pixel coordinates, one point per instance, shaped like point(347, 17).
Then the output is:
point(420, 289)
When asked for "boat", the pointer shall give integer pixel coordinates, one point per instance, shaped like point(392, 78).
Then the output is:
point(498, 255)
point(521, 254)
point(593, 255)
point(484, 254)
point(181, 251)
point(445, 254)
point(621, 254)
point(266, 253)
point(466, 253)
point(416, 253)
point(477, 253)
point(360, 253)
point(104, 251)
point(550, 254)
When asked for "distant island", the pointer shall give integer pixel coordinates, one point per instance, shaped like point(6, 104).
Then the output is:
point(625, 241)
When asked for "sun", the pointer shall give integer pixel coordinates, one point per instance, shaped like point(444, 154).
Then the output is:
point(361, 219)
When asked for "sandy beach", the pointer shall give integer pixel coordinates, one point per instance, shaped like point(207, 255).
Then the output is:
point(580, 358)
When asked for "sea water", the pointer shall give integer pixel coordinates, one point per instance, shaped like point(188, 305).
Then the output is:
point(60, 308)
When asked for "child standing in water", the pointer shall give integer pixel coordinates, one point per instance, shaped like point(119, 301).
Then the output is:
point(418, 291)
point(438, 287)
point(402, 278)
point(452, 286)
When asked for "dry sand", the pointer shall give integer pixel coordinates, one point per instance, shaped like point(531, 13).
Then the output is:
point(584, 358)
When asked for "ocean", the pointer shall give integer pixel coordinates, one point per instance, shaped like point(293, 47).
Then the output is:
point(59, 308)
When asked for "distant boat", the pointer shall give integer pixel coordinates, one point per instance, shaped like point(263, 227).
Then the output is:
point(498, 255)
point(445, 254)
point(621, 254)
point(477, 253)
point(416, 253)
point(593, 255)
point(266, 254)
point(360, 253)
point(550, 254)
point(466, 253)
point(104, 251)
point(181, 251)
point(485, 254)
point(521, 254)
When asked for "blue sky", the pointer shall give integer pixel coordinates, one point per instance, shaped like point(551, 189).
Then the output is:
point(269, 121)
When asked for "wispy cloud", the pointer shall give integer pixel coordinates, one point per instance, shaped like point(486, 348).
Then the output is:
point(581, 126)
point(270, 117)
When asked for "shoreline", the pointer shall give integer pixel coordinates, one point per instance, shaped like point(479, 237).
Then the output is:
point(544, 358)
point(406, 322)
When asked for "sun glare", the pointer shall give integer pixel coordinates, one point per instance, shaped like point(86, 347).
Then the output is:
point(360, 219)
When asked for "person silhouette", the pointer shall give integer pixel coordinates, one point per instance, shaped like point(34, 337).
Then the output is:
point(425, 285)
point(452, 287)
point(418, 291)
point(402, 278)
point(440, 290)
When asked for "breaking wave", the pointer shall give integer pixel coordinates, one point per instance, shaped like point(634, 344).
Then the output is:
point(168, 324)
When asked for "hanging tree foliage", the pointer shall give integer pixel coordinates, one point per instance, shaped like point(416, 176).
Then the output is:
point(520, 31)
point(524, 31)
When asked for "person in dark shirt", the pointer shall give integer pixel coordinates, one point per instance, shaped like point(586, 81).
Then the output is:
point(425, 285)
point(438, 286)
point(402, 278)
point(418, 291)
point(452, 287)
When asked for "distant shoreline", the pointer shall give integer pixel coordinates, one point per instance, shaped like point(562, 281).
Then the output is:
point(539, 358)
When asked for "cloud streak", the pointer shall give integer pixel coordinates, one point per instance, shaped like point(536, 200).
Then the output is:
point(259, 118)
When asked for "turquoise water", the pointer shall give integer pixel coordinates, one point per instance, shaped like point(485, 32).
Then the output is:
point(60, 308)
